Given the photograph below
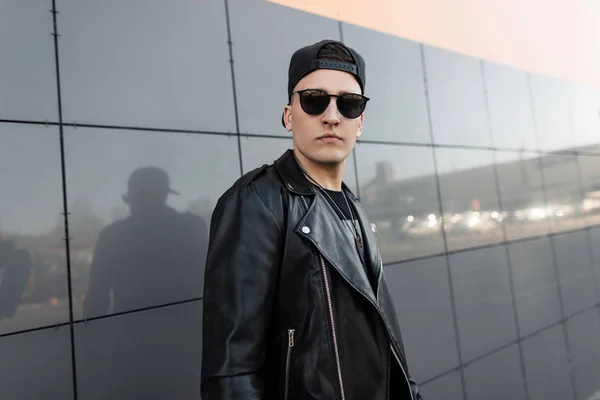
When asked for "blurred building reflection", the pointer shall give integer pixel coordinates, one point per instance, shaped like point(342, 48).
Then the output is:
point(408, 215)
point(15, 267)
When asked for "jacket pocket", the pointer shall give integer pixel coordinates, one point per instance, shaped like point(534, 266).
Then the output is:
point(288, 361)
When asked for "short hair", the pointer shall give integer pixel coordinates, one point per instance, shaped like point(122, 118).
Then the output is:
point(335, 52)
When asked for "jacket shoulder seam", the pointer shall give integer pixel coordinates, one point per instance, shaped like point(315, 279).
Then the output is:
point(264, 204)
point(252, 175)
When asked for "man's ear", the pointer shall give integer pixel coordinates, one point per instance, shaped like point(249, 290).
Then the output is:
point(360, 125)
point(287, 117)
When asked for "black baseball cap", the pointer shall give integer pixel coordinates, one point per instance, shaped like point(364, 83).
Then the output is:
point(304, 61)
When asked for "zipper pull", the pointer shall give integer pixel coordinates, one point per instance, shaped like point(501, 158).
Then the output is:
point(291, 337)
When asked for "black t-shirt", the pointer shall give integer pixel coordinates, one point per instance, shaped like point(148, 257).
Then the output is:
point(373, 339)
point(340, 201)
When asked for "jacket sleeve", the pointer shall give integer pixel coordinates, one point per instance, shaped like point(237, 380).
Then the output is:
point(239, 289)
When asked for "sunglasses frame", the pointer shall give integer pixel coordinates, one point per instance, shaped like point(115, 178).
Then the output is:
point(337, 97)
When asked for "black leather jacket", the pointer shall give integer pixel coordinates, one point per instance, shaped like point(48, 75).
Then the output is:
point(289, 309)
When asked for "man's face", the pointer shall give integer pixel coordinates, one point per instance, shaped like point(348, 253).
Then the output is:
point(327, 138)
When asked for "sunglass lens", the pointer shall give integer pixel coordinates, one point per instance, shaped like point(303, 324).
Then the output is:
point(314, 102)
point(351, 105)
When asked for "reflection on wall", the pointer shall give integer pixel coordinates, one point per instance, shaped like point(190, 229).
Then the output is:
point(406, 210)
point(33, 274)
point(33, 279)
point(134, 243)
point(15, 266)
point(112, 260)
point(153, 256)
point(148, 254)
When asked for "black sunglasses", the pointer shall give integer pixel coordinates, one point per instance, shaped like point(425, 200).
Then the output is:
point(316, 101)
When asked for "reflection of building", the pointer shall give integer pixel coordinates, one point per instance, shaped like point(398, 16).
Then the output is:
point(531, 189)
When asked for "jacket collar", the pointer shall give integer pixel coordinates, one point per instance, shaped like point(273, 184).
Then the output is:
point(328, 233)
point(321, 225)
point(294, 179)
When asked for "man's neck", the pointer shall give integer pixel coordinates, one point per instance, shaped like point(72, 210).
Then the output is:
point(329, 176)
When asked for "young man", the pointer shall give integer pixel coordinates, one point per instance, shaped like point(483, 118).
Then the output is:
point(295, 302)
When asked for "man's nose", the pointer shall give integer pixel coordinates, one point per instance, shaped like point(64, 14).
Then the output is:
point(331, 116)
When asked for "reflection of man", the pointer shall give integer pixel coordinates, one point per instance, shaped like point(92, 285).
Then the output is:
point(154, 256)
point(15, 266)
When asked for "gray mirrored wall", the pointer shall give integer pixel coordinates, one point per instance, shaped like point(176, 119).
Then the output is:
point(122, 122)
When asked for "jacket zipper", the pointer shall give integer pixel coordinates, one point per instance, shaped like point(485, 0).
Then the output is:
point(288, 360)
point(335, 344)
point(331, 320)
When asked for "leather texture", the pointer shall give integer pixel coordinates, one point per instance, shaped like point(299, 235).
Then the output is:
point(280, 259)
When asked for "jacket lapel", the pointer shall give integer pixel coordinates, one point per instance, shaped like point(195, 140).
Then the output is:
point(327, 232)
point(372, 255)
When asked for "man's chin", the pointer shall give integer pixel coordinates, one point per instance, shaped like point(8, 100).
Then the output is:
point(330, 158)
point(325, 157)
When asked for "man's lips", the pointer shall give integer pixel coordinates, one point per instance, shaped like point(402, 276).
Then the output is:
point(330, 138)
